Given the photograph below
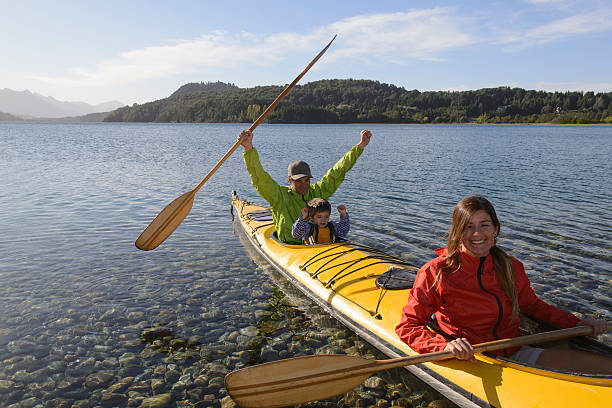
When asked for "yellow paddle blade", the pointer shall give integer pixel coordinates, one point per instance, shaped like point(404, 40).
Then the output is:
point(166, 222)
point(297, 380)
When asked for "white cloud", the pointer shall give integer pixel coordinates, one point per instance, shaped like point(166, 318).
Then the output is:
point(577, 24)
point(213, 50)
point(392, 38)
point(421, 34)
point(590, 22)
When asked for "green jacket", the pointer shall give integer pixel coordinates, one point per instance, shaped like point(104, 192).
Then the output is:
point(285, 203)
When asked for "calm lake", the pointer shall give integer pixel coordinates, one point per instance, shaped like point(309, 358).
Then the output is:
point(86, 319)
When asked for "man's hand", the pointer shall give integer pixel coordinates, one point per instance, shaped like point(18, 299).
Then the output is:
point(246, 139)
point(365, 138)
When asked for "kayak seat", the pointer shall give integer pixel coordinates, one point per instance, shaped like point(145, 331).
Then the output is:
point(274, 237)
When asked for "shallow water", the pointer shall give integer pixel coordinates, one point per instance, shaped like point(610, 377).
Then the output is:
point(87, 319)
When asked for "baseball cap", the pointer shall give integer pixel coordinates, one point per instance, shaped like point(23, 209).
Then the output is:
point(299, 169)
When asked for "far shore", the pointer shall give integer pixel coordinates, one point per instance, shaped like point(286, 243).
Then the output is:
point(74, 121)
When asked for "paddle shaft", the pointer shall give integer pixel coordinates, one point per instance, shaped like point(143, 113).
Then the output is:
point(263, 115)
point(488, 346)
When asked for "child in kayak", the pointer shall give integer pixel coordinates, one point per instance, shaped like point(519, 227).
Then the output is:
point(320, 230)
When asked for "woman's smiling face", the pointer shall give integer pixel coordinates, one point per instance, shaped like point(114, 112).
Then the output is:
point(479, 235)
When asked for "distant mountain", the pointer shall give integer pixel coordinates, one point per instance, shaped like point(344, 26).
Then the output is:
point(90, 117)
point(8, 117)
point(29, 105)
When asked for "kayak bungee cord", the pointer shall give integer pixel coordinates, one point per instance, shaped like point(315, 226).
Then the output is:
point(330, 255)
point(353, 247)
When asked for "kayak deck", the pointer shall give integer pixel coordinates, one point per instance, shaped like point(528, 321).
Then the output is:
point(366, 289)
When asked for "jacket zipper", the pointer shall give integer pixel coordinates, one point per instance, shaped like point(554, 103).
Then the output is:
point(499, 303)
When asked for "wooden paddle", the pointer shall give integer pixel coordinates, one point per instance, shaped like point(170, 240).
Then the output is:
point(311, 378)
point(171, 217)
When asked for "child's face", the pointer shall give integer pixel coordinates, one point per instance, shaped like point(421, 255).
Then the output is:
point(321, 218)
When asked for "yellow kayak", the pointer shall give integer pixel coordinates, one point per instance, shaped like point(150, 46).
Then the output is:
point(366, 289)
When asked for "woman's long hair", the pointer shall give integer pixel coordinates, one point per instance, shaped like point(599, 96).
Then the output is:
point(501, 261)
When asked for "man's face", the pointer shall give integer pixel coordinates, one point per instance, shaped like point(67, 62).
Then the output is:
point(300, 185)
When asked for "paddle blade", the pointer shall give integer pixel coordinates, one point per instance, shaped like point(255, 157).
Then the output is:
point(166, 222)
point(297, 380)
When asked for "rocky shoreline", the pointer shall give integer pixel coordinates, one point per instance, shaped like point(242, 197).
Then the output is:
point(135, 358)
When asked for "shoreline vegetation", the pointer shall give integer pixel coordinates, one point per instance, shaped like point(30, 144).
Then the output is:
point(342, 101)
point(346, 101)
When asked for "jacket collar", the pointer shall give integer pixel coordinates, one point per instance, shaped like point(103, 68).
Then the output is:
point(465, 257)
point(441, 251)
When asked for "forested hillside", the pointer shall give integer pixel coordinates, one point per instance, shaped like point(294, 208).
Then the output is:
point(350, 101)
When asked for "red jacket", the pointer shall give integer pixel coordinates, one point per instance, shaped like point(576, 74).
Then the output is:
point(471, 306)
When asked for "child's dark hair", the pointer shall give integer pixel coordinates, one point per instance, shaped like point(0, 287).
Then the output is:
point(317, 205)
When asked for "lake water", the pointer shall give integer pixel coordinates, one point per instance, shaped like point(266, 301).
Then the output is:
point(86, 319)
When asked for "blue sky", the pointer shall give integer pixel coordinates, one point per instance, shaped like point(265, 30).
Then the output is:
point(139, 51)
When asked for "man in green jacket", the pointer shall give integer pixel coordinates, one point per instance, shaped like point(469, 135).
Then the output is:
point(286, 202)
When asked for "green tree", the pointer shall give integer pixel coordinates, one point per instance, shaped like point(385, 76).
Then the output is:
point(253, 112)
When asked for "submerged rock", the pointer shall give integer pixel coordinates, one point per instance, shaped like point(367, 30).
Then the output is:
point(437, 404)
point(250, 331)
point(96, 380)
point(374, 382)
point(227, 402)
point(157, 401)
point(110, 399)
point(5, 386)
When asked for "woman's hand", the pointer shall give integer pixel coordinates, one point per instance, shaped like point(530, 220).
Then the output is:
point(461, 349)
point(305, 213)
point(342, 211)
point(599, 326)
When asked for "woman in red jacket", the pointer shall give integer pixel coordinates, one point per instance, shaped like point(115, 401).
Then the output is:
point(476, 291)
